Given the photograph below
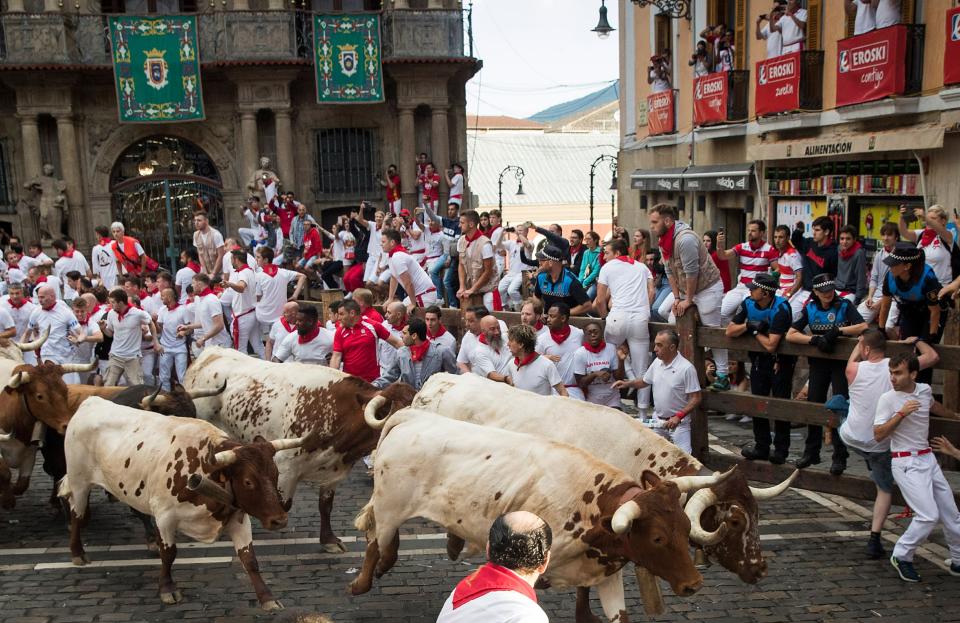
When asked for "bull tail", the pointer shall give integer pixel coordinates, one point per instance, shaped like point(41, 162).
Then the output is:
point(365, 521)
point(63, 489)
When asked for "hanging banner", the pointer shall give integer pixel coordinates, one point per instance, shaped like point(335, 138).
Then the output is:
point(347, 62)
point(156, 68)
point(778, 84)
point(871, 66)
point(710, 98)
point(660, 118)
point(951, 68)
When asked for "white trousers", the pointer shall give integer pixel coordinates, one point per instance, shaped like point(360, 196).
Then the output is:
point(728, 307)
point(149, 364)
point(370, 269)
point(930, 497)
point(424, 300)
point(797, 301)
point(869, 315)
point(167, 362)
point(248, 235)
point(633, 329)
point(509, 288)
point(680, 436)
point(249, 330)
point(708, 304)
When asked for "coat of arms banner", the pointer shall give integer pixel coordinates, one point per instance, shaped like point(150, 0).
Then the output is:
point(156, 67)
point(348, 61)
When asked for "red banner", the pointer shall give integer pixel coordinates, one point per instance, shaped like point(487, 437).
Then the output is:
point(951, 68)
point(778, 84)
point(871, 66)
point(710, 98)
point(660, 113)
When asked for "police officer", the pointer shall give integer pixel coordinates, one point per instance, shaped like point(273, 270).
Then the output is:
point(767, 317)
point(828, 316)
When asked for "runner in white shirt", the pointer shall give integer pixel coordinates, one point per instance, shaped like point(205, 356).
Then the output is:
point(436, 332)
point(207, 316)
point(227, 263)
point(89, 313)
point(39, 276)
point(103, 260)
point(373, 241)
point(512, 281)
point(625, 287)
point(69, 260)
point(903, 416)
point(173, 345)
point(272, 282)
point(560, 344)
point(244, 327)
point(56, 317)
point(310, 343)
point(8, 328)
point(184, 276)
point(124, 324)
point(284, 326)
point(14, 272)
point(492, 355)
point(596, 365)
point(35, 257)
point(455, 182)
point(529, 370)
point(408, 272)
point(19, 307)
point(793, 27)
point(394, 320)
point(468, 343)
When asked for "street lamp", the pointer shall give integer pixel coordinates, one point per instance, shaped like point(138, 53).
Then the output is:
point(603, 28)
point(671, 8)
point(518, 173)
point(613, 186)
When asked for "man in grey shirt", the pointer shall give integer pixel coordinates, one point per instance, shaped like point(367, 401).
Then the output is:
point(418, 359)
point(851, 266)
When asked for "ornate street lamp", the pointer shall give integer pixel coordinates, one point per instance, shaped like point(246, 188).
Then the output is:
point(613, 186)
point(672, 8)
point(518, 173)
point(603, 28)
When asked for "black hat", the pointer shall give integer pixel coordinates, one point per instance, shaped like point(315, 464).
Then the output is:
point(550, 252)
point(764, 281)
point(824, 282)
point(903, 253)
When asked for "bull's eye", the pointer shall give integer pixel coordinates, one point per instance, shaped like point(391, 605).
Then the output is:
point(248, 483)
point(658, 540)
point(39, 397)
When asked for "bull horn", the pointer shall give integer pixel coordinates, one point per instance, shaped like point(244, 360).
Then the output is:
point(699, 502)
point(370, 412)
point(689, 484)
point(624, 517)
point(206, 393)
point(78, 367)
point(5, 436)
point(287, 444)
point(768, 493)
point(21, 378)
point(198, 483)
point(35, 344)
point(225, 458)
point(148, 401)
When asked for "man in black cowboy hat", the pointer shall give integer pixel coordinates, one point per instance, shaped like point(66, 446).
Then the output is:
point(828, 316)
point(767, 317)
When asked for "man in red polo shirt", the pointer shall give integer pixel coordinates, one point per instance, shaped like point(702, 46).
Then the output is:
point(355, 343)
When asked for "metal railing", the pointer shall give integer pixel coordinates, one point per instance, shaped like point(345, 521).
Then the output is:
point(738, 98)
point(916, 35)
point(811, 80)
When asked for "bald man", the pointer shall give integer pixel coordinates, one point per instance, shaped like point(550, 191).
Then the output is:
point(518, 552)
point(491, 357)
point(395, 319)
point(65, 329)
point(283, 327)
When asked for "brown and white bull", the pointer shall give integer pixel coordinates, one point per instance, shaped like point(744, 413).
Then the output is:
point(624, 442)
point(277, 400)
point(186, 473)
point(462, 476)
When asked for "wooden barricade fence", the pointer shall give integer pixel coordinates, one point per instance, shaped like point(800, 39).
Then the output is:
point(694, 338)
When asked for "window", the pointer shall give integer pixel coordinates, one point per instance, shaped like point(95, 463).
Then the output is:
point(662, 30)
point(7, 202)
point(733, 15)
point(49, 144)
point(145, 7)
point(346, 161)
point(267, 134)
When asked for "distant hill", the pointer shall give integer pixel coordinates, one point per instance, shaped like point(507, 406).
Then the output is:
point(596, 99)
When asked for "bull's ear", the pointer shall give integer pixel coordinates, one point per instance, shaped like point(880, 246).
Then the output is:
point(260, 439)
point(649, 479)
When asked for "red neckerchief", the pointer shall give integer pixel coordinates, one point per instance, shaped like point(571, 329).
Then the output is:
point(396, 249)
point(596, 350)
point(175, 305)
point(434, 336)
point(529, 358)
point(487, 579)
point(666, 242)
point(51, 308)
point(242, 268)
point(539, 326)
point(491, 231)
point(96, 308)
point(12, 266)
point(303, 339)
point(194, 267)
point(42, 279)
point(206, 291)
point(476, 234)
point(928, 236)
point(846, 255)
point(22, 302)
point(271, 269)
point(68, 253)
point(576, 249)
point(417, 353)
point(625, 258)
point(104, 242)
point(120, 315)
point(483, 340)
point(400, 326)
point(560, 336)
point(286, 325)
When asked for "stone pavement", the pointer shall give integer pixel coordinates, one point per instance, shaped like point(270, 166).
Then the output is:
point(813, 544)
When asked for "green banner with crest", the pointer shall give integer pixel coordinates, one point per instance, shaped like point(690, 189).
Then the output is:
point(156, 67)
point(347, 59)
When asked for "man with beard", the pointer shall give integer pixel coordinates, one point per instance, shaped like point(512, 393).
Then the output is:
point(20, 308)
point(284, 326)
point(491, 357)
point(311, 343)
point(418, 359)
point(531, 314)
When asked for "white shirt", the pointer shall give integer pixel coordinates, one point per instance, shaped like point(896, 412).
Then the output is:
point(127, 334)
point(21, 316)
point(273, 293)
point(494, 607)
point(659, 84)
point(401, 263)
point(487, 360)
point(434, 242)
point(937, 255)
point(871, 382)
point(182, 280)
point(316, 351)
point(27, 262)
point(792, 35)
point(913, 432)
point(152, 304)
point(547, 346)
point(774, 41)
point(866, 19)
point(456, 185)
point(170, 319)
point(447, 340)
point(104, 265)
point(468, 344)
point(888, 13)
point(66, 264)
point(671, 384)
point(61, 322)
point(6, 320)
point(386, 353)
point(205, 310)
point(15, 275)
point(514, 264)
point(374, 247)
point(52, 282)
point(228, 262)
point(246, 300)
point(83, 353)
point(212, 239)
point(628, 286)
point(599, 392)
point(540, 376)
point(278, 332)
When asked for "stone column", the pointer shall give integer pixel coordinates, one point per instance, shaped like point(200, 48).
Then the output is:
point(434, 4)
point(70, 162)
point(51, 6)
point(401, 4)
point(408, 172)
point(248, 137)
point(440, 145)
point(30, 135)
point(241, 5)
point(15, 6)
point(276, 5)
point(285, 167)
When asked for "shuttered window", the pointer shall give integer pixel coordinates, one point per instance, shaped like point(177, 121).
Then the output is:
point(814, 25)
point(740, 35)
point(346, 162)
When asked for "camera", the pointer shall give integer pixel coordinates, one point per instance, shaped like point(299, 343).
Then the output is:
point(510, 230)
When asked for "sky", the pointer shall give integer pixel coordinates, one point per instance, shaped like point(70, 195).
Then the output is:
point(537, 53)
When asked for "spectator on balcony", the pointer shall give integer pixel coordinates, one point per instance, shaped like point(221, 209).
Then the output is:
point(700, 61)
point(658, 72)
point(792, 27)
point(864, 15)
point(768, 33)
point(888, 12)
point(724, 56)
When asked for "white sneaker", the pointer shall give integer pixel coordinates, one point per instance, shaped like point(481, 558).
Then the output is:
point(730, 417)
point(368, 461)
point(745, 420)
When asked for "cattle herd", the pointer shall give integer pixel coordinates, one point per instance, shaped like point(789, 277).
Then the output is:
point(240, 434)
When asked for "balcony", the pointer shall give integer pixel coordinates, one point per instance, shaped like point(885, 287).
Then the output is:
point(790, 83)
point(879, 64)
point(721, 97)
point(64, 39)
point(662, 113)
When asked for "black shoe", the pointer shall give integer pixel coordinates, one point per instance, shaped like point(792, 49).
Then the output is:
point(754, 453)
point(807, 460)
point(778, 459)
point(838, 464)
point(875, 550)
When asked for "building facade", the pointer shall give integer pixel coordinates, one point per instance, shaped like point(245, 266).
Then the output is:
point(850, 125)
point(58, 106)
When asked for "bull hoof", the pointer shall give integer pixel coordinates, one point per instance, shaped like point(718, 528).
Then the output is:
point(80, 560)
point(270, 606)
point(334, 548)
point(358, 588)
point(171, 598)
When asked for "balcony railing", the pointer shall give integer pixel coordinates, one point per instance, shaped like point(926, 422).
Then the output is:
point(811, 80)
point(737, 103)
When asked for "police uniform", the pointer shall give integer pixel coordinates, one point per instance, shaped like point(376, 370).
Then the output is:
point(769, 373)
point(824, 324)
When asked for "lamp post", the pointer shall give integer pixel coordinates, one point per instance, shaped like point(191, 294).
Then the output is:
point(518, 173)
point(603, 28)
point(593, 171)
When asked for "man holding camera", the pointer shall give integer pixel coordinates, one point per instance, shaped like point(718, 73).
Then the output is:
point(659, 72)
point(773, 37)
point(792, 26)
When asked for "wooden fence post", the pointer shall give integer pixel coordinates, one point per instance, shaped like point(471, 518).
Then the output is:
point(687, 330)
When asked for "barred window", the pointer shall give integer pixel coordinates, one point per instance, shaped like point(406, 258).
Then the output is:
point(7, 202)
point(346, 162)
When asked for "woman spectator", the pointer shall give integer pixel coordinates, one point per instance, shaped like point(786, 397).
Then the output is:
point(641, 244)
point(590, 264)
point(710, 241)
point(936, 238)
point(661, 285)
